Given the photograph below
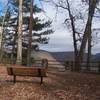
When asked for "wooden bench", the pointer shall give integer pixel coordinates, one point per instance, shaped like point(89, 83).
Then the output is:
point(16, 70)
point(27, 71)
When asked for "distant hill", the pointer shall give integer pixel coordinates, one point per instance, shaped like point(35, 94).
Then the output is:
point(62, 56)
point(96, 57)
point(69, 56)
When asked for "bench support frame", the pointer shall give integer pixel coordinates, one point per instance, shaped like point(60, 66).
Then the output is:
point(14, 78)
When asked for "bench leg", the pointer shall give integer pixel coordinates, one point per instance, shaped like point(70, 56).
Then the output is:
point(14, 79)
point(41, 80)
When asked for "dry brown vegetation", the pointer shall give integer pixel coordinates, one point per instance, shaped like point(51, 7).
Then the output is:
point(57, 86)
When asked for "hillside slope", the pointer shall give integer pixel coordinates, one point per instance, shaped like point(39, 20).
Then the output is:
point(46, 55)
point(63, 56)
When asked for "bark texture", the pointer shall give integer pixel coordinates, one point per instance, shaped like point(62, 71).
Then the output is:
point(20, 22)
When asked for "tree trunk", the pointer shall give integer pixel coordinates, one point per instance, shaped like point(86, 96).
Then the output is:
point(14, 44)
point(92, 6)
point(30, 35)
point(1, 40)
point(89, 51)
point(74, 35)
point(20, 22)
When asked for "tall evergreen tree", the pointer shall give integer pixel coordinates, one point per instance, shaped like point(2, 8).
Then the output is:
point(40, 28)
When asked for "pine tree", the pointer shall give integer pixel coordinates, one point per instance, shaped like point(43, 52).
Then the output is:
point(40, 28)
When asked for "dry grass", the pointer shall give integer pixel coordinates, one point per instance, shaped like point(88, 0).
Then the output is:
point(57, 86)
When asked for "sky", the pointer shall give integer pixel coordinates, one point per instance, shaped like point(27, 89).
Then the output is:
point(61, 39)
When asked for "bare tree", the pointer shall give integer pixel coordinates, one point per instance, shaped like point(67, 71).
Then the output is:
point(86, 38)
point(87, 33)
point(65, 5)
point(20, 22)
point(73, 31)
point(90, 42)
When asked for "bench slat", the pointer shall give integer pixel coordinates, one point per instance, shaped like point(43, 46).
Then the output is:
point(26, 71)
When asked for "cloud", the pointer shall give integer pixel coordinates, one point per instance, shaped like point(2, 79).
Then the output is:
point(62, 40)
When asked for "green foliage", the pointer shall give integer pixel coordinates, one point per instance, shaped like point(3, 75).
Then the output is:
point(24, 57)
point(6, 59)
point(1, 20)
point(41, 28)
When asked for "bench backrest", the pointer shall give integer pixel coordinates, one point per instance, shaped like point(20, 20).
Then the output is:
point(26, 71)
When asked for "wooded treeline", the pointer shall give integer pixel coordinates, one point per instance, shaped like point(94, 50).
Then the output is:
point(23, 31)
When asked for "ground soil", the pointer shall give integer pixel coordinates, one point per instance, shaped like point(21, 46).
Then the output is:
point(57, 86)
